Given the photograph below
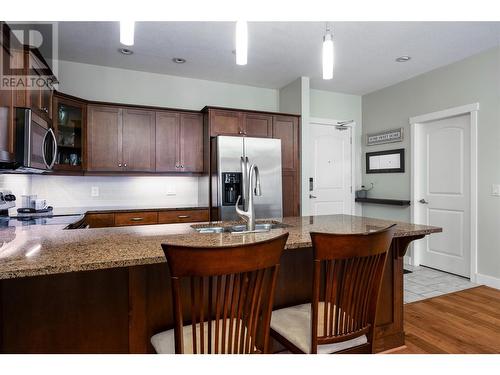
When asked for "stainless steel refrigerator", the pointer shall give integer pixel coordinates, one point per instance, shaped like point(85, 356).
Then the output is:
point(226, 181)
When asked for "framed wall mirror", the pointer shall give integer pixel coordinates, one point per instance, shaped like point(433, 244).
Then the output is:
point(387, 161)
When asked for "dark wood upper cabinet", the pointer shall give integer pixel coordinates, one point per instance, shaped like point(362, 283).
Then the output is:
point(286, 128)
point(104, 139)
point(257, 125)
point(167, 141)
point(239, 123)
point(138, 140)
point(18, 58)
point(69, 122)
point(39, 93)
point(6, 116)
point(191, 141)
point(179, 142)
point(225, 122)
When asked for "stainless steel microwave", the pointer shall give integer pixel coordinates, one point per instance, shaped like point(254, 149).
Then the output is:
point(35, 148)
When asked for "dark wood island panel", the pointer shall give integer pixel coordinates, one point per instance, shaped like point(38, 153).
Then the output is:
point(117, 310)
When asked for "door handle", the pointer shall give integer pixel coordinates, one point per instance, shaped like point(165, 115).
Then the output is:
point(312, 196)
point(423, 201)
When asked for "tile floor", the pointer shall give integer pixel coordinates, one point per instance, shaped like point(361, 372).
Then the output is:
point(426, 282)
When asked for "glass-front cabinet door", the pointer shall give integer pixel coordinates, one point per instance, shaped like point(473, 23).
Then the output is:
point(69, 118)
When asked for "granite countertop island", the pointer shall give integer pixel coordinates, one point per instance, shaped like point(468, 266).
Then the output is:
point(111, 289)
point(45, 250)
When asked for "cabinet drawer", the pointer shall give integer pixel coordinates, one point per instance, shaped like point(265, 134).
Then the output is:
point(136, 218)
point(103, 220)
point(182, 216)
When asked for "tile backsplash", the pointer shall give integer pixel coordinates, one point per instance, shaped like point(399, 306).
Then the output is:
point(109, 191)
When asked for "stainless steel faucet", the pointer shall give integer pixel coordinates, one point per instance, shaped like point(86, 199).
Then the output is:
point(251, 185)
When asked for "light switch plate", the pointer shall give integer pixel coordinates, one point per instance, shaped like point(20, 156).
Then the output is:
point(94, 191)
point(495, 190)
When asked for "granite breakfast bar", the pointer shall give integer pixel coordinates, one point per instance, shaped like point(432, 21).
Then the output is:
point(108, 291)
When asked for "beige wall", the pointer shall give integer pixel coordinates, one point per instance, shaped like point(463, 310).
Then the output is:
point(475, 79)
point(102, 83)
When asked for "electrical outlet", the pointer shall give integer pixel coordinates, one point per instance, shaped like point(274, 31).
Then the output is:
point(495, 190)
point(94, 191)
point(171, 190)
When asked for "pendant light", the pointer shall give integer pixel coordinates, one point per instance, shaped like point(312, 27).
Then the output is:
point(127, 32)
point(241, 42)
point(328, 54)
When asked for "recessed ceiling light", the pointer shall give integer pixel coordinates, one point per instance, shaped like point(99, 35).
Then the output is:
point(179, 60)
point(125, 51)
point(403, 58)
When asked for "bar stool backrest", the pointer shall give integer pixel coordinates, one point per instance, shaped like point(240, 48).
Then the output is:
point(347, 276)
point(231, 291)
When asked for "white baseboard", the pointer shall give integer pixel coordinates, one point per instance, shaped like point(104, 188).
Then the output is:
point(491, 281)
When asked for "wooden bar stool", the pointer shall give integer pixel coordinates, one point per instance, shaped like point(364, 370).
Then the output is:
point(226, 293)
point(347, 276)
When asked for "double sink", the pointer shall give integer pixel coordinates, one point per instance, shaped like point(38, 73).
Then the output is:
point(240, 228)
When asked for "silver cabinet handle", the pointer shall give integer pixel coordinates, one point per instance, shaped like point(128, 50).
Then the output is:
point(119, 164)
point(423, 201)
point(125, 164)
point(183, 216)
point(312, 196)
point(137, 219)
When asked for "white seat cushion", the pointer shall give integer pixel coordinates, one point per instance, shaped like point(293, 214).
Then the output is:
point(164, 342)
point(294, 324)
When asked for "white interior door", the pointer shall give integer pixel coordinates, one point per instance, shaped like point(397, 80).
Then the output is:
point(331, 170)
point(443, 198)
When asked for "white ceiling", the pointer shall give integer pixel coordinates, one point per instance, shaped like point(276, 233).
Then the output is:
point(279, 52)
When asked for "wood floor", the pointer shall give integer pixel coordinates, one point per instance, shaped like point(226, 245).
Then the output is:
point(463, 322)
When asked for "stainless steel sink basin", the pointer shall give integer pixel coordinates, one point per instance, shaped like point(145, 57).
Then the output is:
point(263, 227)
point(210, 230)
point(241, 228)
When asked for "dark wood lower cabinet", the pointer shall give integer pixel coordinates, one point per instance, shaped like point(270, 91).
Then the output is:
point(147, 217)
point(118, 310)
point(100, 220)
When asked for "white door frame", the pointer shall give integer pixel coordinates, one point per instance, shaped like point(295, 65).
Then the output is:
point(415, 124)
point(330, 122)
